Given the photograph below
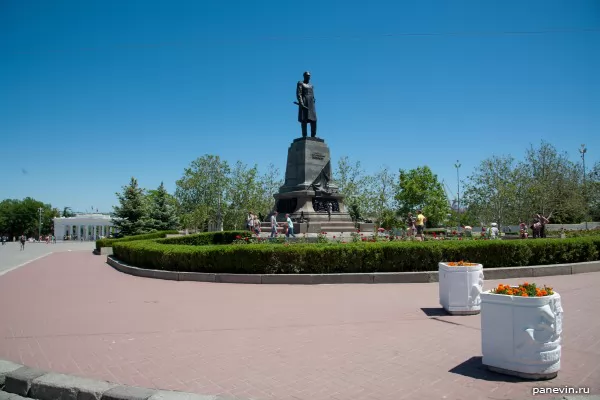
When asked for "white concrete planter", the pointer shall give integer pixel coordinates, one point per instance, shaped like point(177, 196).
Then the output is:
point(460, 288)
point(521, 335)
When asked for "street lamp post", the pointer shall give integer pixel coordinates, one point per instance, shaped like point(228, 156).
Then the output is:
point(40, 224)
point(457, 166)
point(583, 150)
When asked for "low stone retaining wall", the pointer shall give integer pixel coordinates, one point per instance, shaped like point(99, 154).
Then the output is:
point(104, 251)
point(19, 382)
point(374, 277)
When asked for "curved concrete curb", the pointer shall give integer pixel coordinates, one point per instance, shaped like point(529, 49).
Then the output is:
point(373, 277)
point(19, 382)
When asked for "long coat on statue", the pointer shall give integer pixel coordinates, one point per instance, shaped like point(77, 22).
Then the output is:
point(306, 97)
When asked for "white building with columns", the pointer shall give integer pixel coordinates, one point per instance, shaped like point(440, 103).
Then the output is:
point(83, 227)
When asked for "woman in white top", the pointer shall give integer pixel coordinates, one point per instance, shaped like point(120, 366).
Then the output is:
point(250, 222)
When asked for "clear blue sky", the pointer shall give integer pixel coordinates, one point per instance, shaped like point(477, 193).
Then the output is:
point(92, 93)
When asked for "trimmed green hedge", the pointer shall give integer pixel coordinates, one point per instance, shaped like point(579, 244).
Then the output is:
point(154, 235)
point(352, 257)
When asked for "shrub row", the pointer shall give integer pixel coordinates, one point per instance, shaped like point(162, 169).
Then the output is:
point(352, 257)
point(154, 235)
point(583, 233)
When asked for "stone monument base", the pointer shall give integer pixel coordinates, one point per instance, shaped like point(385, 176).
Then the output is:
point(309, 194)
point(314, 212)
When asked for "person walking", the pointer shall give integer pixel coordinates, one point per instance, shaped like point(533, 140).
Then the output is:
point(410, 222)
point(257, 226)
point(493, 231)
point(420, 223)
point(290, 226)
point(543, 221)
point(23, 239)
point(249, 219)
point(274, 224)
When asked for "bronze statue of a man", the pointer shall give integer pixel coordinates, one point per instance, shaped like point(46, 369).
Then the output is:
point(307, 112)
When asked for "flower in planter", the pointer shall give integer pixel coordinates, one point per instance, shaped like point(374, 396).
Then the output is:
point(523, 290)
point(460, 264)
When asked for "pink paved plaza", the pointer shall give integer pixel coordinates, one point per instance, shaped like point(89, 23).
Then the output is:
point(72, 313)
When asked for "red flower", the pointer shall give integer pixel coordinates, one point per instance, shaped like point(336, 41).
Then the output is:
point(434, 235)
point(238, 237)
point(334, 236)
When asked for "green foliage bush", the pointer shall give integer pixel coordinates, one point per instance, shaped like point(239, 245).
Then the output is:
point(347, 257)
point(154, 235)
point(583, 233)
point(437, 231)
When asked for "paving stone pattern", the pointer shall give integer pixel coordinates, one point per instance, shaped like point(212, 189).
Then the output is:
point(71, 313)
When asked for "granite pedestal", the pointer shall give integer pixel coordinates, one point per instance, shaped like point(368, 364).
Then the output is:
point(309, 194)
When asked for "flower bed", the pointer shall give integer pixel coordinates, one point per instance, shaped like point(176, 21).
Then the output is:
point(461, 264)
point(523, 290)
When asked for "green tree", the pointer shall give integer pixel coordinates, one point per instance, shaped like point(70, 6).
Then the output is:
point(389, 220)
point(243, 194)
point(494, 192)
point(19, 217)
point(204, 186)
point(381, 196)
point(67, 212)
point(554, 185)
point(353, 183)
point(130, 217)
point(592, 192)
point(420, 189)
point(271, 181)
point(162, 210)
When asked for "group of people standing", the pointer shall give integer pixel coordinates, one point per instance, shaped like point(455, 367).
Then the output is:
point(253, 224)
point(23, 239)
point(538, 227)
point(416, 224)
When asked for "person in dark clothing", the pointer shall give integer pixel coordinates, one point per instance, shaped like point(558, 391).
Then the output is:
point(307, 112)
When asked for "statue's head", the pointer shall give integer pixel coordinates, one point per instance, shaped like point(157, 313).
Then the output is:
point(306, 76)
